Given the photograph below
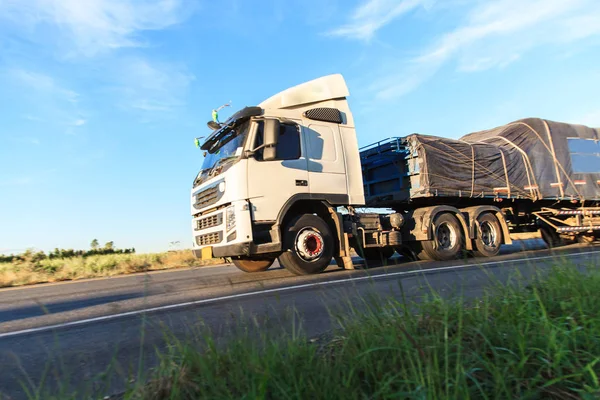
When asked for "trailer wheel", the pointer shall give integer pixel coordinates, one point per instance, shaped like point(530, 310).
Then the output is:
point(308, 245)
point(489, 236)
point(447, 242)
point(250, 265)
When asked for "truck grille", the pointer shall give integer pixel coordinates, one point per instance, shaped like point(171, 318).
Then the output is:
point(209, 222)
point(209, 238)
point(207, 197)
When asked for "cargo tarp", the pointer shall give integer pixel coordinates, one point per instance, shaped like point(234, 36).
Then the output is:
point(531, 158)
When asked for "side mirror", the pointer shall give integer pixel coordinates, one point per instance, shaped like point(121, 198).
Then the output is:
point(271, 138)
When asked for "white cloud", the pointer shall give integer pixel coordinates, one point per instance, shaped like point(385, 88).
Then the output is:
point(580, 26)
point(43, 83)
point(94, 26)
point(487, 62)
point(30, 117)
point(25, 140)
point(152, 87)
point(494, 34)
point(372, 15)
point(49, 98)
point(500, 18)
point(98, 28)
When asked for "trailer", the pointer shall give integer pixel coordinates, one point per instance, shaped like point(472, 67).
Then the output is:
point(286, 180)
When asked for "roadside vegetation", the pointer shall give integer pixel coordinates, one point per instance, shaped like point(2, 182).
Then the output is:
point(33, 267)
point(94, 250)
point(538, 341)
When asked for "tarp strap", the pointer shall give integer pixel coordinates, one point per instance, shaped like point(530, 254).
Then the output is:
point(547, 148)
point(528, 165)
point(491, 173)
point(472, 166)
point(505, 172)
point(556, 163)
point(473, 169)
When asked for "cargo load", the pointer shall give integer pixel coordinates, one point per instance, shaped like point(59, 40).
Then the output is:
point(528, 159)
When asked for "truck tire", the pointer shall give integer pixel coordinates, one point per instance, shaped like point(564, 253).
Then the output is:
point(378, 254)
point(308, 245)
point(447, 242)
point(489, 236)
point(250, 265)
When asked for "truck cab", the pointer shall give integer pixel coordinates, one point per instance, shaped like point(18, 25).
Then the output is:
point(295, 153)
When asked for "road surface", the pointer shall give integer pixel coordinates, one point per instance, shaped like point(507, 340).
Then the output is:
point(75, 330)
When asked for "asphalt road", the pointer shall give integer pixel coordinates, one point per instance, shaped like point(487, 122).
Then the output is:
point(71, 332)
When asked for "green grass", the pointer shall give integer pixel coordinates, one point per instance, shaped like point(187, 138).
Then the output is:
point(540, 341)
point(61, 269)
point(535, 342)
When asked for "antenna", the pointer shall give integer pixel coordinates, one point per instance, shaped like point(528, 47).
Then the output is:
point(215, 112)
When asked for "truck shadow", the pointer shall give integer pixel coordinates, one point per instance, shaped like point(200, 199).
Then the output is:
point(519, 246)
point(41, 308)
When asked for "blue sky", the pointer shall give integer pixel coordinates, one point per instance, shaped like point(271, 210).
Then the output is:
point(101, 99)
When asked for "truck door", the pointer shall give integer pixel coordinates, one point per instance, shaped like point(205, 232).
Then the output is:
point(272, 183)
point(326, 165)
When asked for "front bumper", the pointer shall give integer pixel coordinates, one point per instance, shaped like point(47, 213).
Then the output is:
point(236, 250)
point(215, 235)
point(233, 250)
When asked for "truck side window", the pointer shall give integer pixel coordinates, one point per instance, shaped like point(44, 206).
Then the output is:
point(259, 141)
point(288, 145)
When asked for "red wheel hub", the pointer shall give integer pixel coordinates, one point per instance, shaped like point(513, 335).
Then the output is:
point(313, 244)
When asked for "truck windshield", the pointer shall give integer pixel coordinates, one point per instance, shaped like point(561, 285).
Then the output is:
point(224, 154)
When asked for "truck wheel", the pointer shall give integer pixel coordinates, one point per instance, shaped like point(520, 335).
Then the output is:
point(250, 265)
point(378, 254)
point(489, 236)
point(447, 242)
point(308, 245)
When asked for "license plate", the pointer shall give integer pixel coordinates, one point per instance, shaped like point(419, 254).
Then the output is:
point(206, 253)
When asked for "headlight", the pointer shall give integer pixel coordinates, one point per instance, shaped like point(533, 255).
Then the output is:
point(196, 179)
point(230, 224)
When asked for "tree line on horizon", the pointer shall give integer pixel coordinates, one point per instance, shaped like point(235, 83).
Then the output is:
point(95, 250)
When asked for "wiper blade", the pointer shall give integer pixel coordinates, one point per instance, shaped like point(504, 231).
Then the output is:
point(219, 163)
point(213, 140)
point(239, 116)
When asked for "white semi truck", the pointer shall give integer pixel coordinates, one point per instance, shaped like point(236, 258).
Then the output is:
point(284, 180)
